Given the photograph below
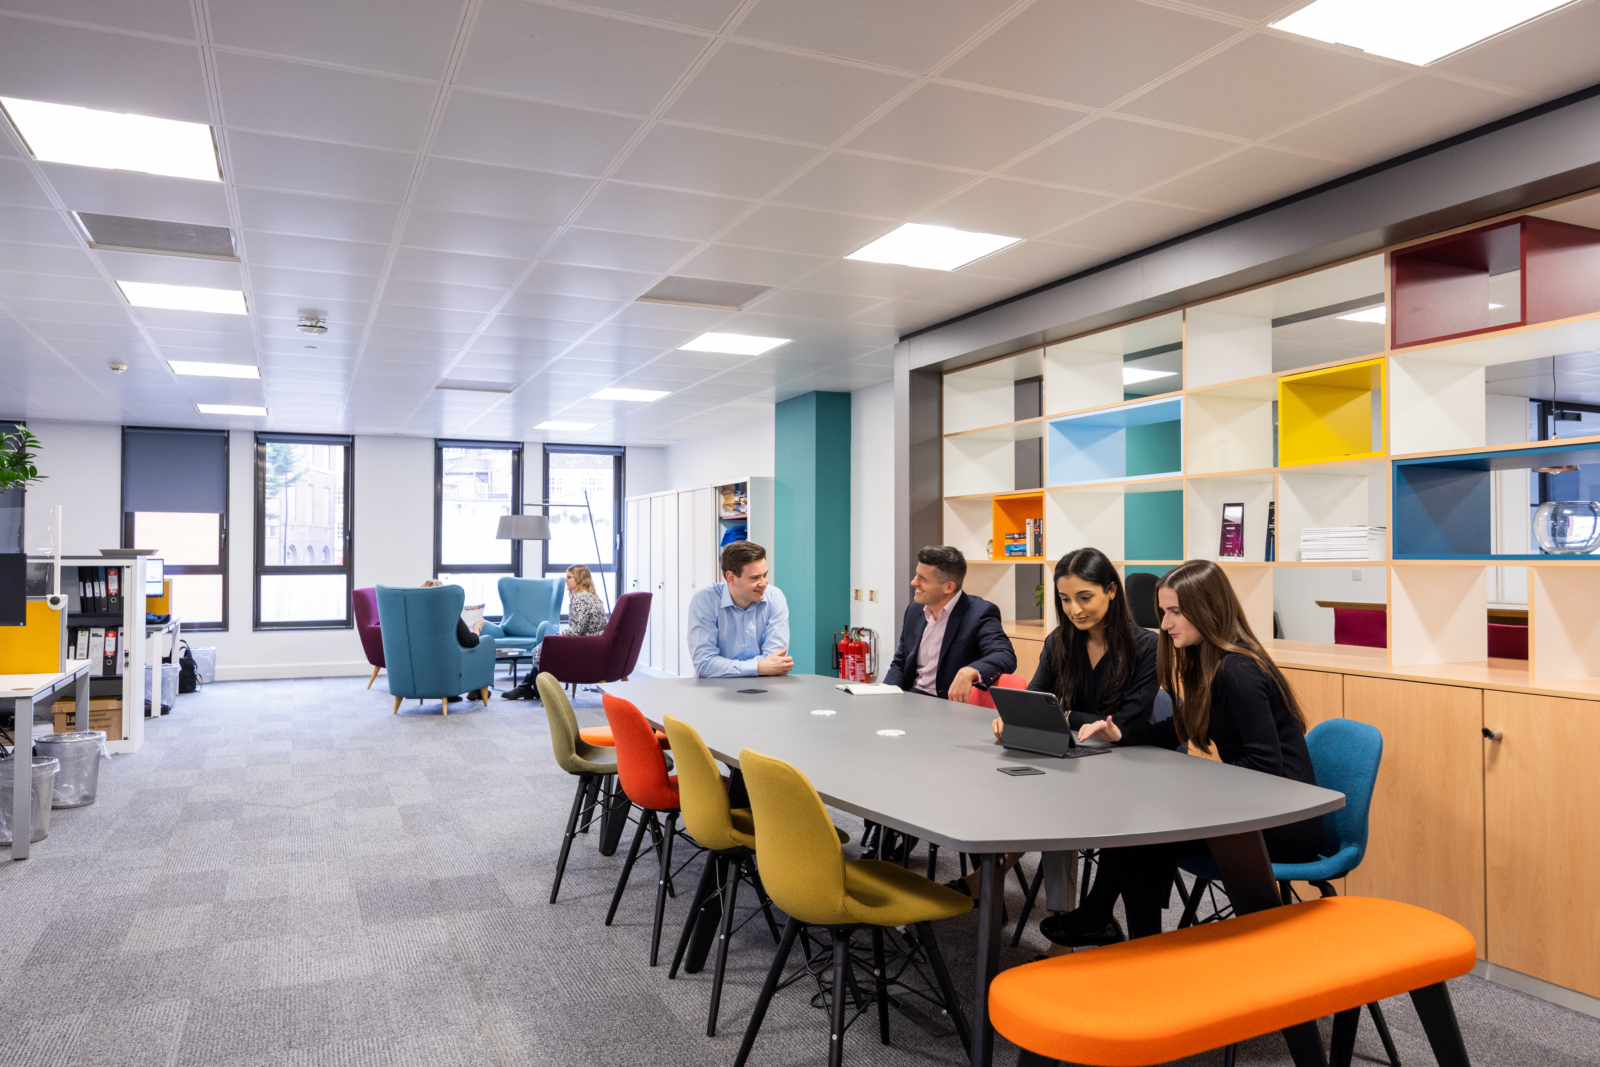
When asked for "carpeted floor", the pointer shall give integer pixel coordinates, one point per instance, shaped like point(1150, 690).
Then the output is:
point(289, 874)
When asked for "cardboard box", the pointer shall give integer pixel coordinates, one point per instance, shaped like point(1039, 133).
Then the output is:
point(104, 714)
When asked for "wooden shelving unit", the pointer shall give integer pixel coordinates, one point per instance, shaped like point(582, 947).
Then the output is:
point(1355, 395)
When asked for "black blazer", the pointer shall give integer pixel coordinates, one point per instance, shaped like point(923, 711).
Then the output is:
point(973, 637)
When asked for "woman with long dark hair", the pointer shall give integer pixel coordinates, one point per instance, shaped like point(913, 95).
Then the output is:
point(1225, 691)
point(1099, 663)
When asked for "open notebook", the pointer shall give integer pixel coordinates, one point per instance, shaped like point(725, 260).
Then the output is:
point(868, 689)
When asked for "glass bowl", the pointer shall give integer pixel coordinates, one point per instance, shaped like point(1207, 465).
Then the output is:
point(1567, 527)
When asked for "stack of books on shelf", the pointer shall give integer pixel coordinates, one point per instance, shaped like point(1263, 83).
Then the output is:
point(1029, 541)
point(1322, 544)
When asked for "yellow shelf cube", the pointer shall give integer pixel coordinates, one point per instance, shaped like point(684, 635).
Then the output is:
point(1331, 414)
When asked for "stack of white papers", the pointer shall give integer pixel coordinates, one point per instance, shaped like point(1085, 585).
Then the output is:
point(868, 689)
point(1326, 543)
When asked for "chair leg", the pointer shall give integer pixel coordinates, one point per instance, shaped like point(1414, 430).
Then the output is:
point(730, 893)
point(880, 982)
point(374, 677)
point(1383, 1034)
point(1439, 1023)
point(566, 839)
point(1230, 1056)
point(1027, 904)
point(1305, 1045)
point(933, 860)
point(617, 808)
point(1193, 907)
point(1343, 1047)
point(1033, 1059)
point(590, 796)
point(766, 901)
point(397, 704)
point(947, 992)
point(706, 885)
point(841, 967)
point(627, 867)
point(661, 886)
point(770, 986)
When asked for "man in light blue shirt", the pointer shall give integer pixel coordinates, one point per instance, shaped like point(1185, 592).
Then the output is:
point(739, 627)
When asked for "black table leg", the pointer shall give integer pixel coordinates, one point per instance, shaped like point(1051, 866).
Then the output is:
point(990, 886)
point(1246, 871)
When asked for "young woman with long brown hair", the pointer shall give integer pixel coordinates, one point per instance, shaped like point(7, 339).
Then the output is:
point(1225, 691)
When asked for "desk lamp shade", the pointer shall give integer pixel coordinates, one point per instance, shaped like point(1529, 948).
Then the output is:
point(523, 528)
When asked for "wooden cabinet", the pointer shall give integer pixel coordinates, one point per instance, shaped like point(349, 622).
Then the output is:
point(1320, 694)
point(1542, 826)
point(1425, 841)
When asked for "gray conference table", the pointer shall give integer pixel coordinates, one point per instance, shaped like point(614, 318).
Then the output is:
point(938, 781)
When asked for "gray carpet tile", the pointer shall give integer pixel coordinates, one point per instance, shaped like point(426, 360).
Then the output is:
point(287, 875)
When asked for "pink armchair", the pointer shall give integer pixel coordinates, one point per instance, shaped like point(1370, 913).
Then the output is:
point(605, 657)
point(365, 602)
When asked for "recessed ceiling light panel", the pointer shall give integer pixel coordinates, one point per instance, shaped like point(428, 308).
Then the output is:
point(1412, 31)
point(932, 247)
point(1379, 315)
point(214, 370)
point(643, 396)
point(554, 424)
point(183, 297)
point(231, 409)
point(1130, 375)
point(734, 344)
point(60, 133)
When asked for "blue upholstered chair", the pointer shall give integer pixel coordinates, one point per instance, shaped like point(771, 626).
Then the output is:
point(531, 609)
point(420, 650)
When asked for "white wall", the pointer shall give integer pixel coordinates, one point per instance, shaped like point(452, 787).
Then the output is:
point(872, 515)
point(645, 470)
point(727, 454)
point(82, 465)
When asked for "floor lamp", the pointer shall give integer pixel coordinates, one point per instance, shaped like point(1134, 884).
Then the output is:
point(537, 528)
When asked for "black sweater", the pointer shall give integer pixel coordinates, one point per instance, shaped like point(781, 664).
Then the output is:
point(1138, 699)
point(464, 635)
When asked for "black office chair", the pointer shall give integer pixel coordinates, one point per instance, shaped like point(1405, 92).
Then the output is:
point(1141, 587)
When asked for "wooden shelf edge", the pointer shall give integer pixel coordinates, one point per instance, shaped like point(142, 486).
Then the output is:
point(1501, 675)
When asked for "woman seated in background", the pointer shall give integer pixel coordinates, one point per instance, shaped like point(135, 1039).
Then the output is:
point(1225, 689)
point(466, 636)
point(586, 616)
point(1099, 663)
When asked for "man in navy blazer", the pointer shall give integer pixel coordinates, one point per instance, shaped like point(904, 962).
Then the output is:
point(950, 640)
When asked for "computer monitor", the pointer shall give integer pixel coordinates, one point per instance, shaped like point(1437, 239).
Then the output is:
point(154, 581)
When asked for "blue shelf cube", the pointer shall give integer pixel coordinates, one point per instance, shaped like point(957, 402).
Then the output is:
point(1116, 444)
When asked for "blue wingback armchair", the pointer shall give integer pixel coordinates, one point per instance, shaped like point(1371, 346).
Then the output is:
point(420, 649)
point(532, 608)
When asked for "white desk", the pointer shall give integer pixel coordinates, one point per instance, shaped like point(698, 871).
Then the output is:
point(27, 690)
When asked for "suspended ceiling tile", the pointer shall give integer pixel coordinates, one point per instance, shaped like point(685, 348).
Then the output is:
point(264, 249)
point(793, 229)
point(907, 315)
point(617, 251)
point(52, 287)
point(557, 306)
point(172, 270)
point(453, 231)
point(661, 212)
point(110, 71)
point(756, 266)
point(712, 162)
point(671, 317)
point(317, 216)
point(799, 302)
point(524, 133)
point(457, 324)
point(298, 165)
point(569, 57)
point(1549, 57)
point(492, 272)
point(277, 96)
point(140, 196)
point(313, 285)
point(971, 290)
point(760, 91)
point(515, 333)
point(869, 279)
point(1417, 111)
point(1012, 208)
point(112, 311)
point(1120, 156)
point(396, 36)
point(586, 281)
point(1257, 10)
point(167, 18)
point(872, 186)
point(1228, 93)
point(85, 331)
point(1038, 261)
point(1087, 52)
point(1247, 179)
point(432, 294)
point(1130, 225)
point(910, 34)
point(963, 128)
point(482, 189)
point(19, 187)
point(47, 259)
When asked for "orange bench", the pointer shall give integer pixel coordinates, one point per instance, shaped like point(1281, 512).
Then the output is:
point(1165, 997)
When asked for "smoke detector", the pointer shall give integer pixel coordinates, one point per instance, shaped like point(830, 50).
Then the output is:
point(117, 366)
point(312, 325)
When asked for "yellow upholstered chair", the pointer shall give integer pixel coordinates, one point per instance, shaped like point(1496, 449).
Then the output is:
point(804, 869)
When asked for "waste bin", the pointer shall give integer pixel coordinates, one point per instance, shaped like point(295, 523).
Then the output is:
point(44, 772)
point(205, 664)
point(79, 777)
point(168, 685)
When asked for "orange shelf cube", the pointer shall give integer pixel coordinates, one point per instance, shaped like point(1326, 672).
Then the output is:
point(1011, 514)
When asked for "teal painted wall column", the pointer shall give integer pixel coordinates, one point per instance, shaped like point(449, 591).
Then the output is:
point(811, 554)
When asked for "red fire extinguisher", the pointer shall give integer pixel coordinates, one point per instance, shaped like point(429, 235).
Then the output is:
point(854, 653)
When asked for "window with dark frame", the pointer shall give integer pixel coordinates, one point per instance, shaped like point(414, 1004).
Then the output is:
point(584, 483)
point(474, 484)
point(304, 540)
point(175, 500)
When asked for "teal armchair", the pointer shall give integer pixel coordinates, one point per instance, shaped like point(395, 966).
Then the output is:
point(420, 650)
point(531, 609)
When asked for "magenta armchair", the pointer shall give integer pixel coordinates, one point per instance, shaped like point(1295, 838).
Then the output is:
point(366, 605)
point(605, 657)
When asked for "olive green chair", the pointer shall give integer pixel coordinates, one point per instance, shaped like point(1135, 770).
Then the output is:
point(593, 766)
point(804, 869)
